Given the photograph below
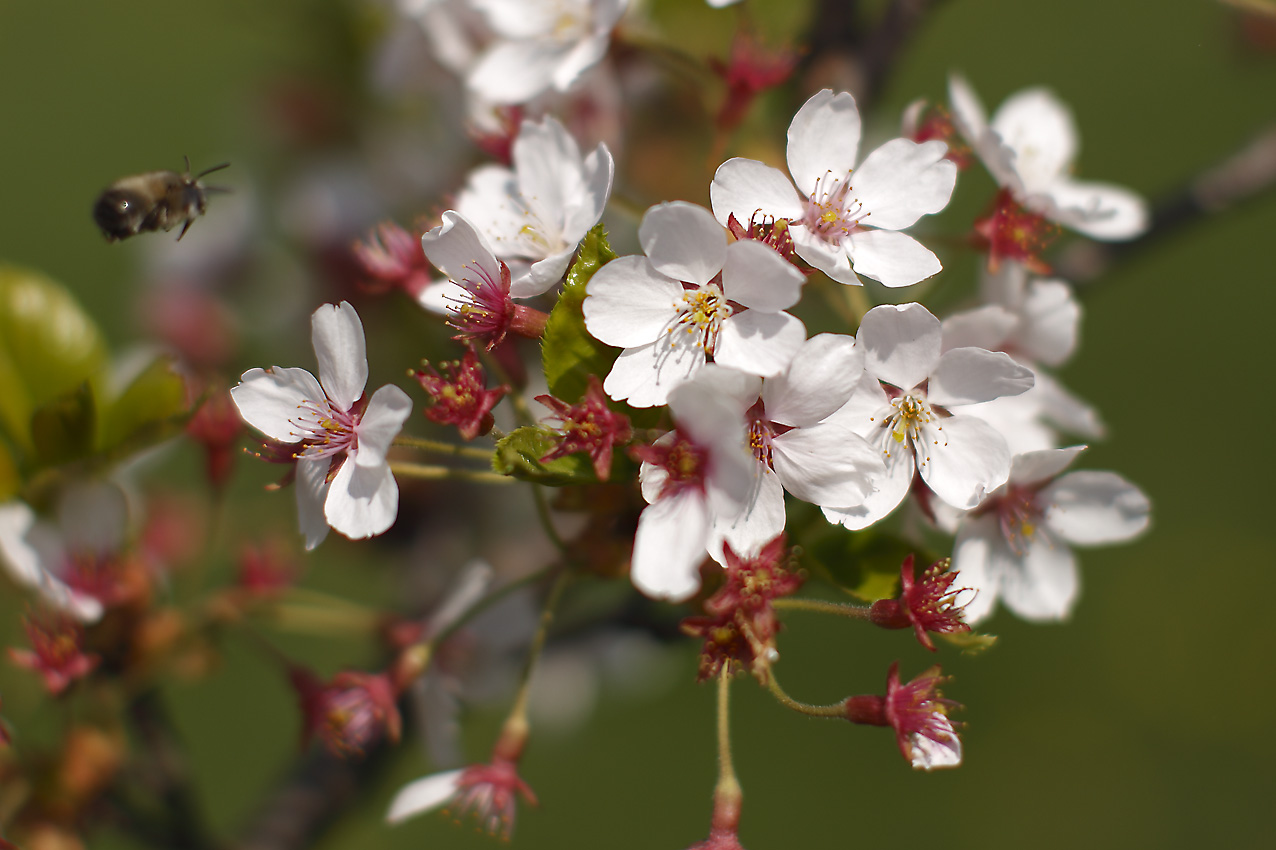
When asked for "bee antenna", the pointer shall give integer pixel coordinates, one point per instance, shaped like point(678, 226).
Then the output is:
point(188, 167)
point(210, 170)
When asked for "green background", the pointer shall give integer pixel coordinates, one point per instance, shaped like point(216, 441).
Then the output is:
point(1144, 722)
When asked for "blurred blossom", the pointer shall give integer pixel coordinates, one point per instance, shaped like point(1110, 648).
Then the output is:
point(56, 650)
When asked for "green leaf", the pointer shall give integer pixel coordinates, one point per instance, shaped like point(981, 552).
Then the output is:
point(519, 453)
point(48, 347)
point(970, 643)
point(62, 429)
point(148, 410)
point(864, 564)
point(569, 354)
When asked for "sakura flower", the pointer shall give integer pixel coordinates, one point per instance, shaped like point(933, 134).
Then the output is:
point(73, 562)
point(1015, 545)
point(1029, 147)
point(477, 297)
point(339, 437)
point(795, 445)
point(390, 258)
point(839, 226)
point(536, 214)
point(348, 714)
point(542, 45)
point(906, 407)
point(919, 715)
point(691, 298)
point(488, 792)
point(929, 605)
point(697, 481)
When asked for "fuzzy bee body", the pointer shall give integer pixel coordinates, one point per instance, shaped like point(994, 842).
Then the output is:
point(156, 200)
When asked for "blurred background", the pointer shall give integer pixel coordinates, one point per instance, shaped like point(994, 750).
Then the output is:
point(1140, 723)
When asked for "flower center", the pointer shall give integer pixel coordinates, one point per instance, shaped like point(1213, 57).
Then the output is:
point(326, 432)
point(831, 211)
point(701, 313)
point(1012, 232)
point(1019, 517)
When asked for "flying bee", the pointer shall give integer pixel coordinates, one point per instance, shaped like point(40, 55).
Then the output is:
point(156, 200)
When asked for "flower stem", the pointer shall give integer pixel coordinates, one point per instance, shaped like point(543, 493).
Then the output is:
point(841, 609)
point(836, 710)
point(439, 447)
point(514, 730)
point(728, 795)
point(435, 473)
point(542, 511)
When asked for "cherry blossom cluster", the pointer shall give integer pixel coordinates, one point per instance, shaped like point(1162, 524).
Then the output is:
point(745, 410)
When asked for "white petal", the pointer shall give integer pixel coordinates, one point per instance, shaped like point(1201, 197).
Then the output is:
point(94, 516)
point(761, 520)
point(669, 546)
point(759, 343)
point(829, 257)
point(582, 56)
point(461, 251)
point(1065, 411)
point(424, 794)
point(515, 71)
point(821, 378)
point(362, 501)
point(967, 112)
point(756, 276)
point(827, 464)
point(587, 210)
point(901, 343)
point(973, 375)
point(891, 490)
point(1092, 508)
point(983, 327)
point(1039, 128)
point(1034, 467)
point(312, 487)
point(962, 460)
point(31, 551)
point(895, 259)
point(744, 187)
point(929, 754)
point(629, 303)
point(541, 275)
point(388, 409)
point(645, 375)
point(548, 162)
point(824, 137)
point(337, 335)
point(271, 401)
point(439, 295)
point(902, 180)
point(975, 568)
point(491, 201)
point(683, 241)
point(1042, 584)
point(1099, 210)
point(1051, 318)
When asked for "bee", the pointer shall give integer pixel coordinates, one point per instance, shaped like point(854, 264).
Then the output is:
point(156, 200)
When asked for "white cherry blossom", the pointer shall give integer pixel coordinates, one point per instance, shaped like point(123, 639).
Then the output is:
point(1029, 147)
point(341, 438)
point(536, 213)
point(693, 296)
point(63, 558)
point(908, 406)
point(542, 45)
point(1015, 545)
point(697, 481)
point(795, 446)
point(843, 221)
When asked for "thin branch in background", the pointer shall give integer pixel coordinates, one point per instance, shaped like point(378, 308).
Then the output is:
point(183, 820)
point(1240, 177)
